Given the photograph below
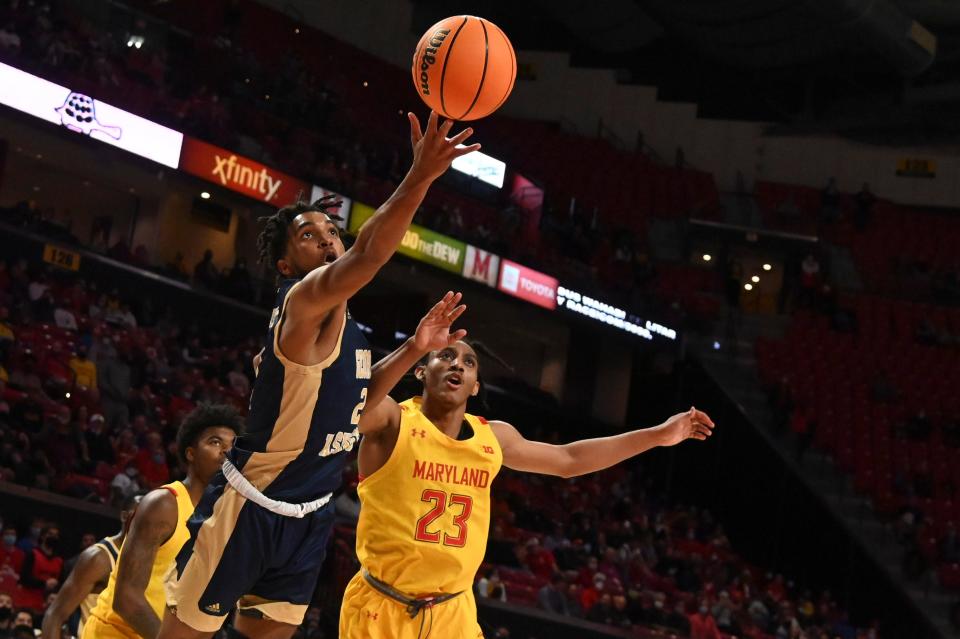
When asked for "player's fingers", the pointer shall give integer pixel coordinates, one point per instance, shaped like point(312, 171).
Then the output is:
point(704, 432)
point(416, 133)
point(457, 335)
point(703, 418)
point(465, 150)
point(460, 137)
point(444, 129)
point(432, 123)
point(453, 299)
point(455, 313)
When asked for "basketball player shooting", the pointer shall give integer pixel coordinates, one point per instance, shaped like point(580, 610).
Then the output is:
point(426, 467)
point(259, 535)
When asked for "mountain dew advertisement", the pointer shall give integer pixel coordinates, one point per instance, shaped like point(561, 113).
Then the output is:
point(419, 243)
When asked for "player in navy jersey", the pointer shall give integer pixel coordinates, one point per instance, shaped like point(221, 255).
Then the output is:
point(259, 534)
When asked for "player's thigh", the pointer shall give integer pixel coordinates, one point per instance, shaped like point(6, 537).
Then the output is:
point(260, 628)
point(173, 628)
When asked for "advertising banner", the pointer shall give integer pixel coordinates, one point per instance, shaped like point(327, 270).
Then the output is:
point(87, 116)
point(240, 174)
point(528, 284)
point(481, 266)
point(419, 243)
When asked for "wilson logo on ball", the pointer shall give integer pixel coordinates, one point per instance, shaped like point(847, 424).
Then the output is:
point(429, 57)
point(464, 67)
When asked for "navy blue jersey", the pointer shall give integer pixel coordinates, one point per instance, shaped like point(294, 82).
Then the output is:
point(303, 419)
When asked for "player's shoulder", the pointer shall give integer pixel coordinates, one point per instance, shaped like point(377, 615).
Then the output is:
point(158, 504)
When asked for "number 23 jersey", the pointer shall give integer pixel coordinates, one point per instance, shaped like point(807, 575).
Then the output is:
point(425, 514)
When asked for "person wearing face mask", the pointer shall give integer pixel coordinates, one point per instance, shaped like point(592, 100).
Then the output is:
point(702, 624)
point(88, 578)
point(11, 557)
point(42, 568)
point(6, 615)
point(26, 544)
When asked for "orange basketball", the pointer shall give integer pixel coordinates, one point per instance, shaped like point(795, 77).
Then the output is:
point(464, 67)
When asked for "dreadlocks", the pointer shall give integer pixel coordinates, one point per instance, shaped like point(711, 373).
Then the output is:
point(272, 241)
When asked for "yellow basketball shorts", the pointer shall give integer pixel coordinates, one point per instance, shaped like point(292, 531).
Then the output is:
point(367, 614)
point(96, 628)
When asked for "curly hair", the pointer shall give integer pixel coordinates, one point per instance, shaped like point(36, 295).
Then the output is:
point(272, 241)
point(203, 417)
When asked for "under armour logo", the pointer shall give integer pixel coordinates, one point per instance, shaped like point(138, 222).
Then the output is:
point(488, 450)
point(371, 615)
point(420, 433)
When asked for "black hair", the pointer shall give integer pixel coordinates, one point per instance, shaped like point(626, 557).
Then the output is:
point(486, 352)
point(203, 417)
point(272, 241)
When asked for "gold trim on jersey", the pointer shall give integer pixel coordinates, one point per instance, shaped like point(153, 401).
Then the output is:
point(290, 365)
point(212, 539)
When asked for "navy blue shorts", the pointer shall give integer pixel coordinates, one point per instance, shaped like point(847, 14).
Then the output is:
point(240, 554)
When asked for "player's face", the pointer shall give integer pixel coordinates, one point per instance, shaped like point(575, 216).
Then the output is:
point(313, 241)
point(451, 373)
point(210, 451)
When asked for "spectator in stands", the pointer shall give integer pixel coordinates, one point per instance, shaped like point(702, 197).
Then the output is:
point(9, 40)
point(809, 280)
point(125, 484)
point(11, 557)
point(550, 597)
point(574, 596)
point(490, 586)
point(702, 624)
point(678, 619)
point(723, 612)
point(63, 317)
point(28, 542)
point(113, 380)
point(865, 201)
point(152, 461)
point(238, 283)
point(239, 382)
point(43, 566)
point(176, 268)
point(830, 202)
point(84, 369)
point(61, 442)
point(99, 446)
point(602, 611)
point(205, 273)
point(6, 615)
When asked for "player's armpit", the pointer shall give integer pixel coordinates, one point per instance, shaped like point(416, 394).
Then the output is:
point(92, 567)
point(154, 523)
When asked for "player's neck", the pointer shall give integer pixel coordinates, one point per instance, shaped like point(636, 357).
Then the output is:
point(194, 486)
point(448, 419)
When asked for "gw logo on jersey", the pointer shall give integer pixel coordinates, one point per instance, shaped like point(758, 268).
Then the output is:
point(363, 363)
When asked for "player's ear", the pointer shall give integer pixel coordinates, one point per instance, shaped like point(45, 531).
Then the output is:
point(189, 453)
point(420, 372)
point(476, 389)
point(284, 267)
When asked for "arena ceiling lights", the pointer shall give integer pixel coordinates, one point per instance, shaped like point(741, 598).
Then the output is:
point(84, 115)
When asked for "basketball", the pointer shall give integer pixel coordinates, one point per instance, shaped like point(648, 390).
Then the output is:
point(464, 67)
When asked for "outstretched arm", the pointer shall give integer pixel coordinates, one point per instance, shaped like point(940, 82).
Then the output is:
point(590, 455)
point(433, 332)
point(92, 567)
point(328, 286)
point(152, 525)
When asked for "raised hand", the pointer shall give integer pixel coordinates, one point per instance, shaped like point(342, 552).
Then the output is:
point(433, 151)
point(693, 424)
point(433, 331)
